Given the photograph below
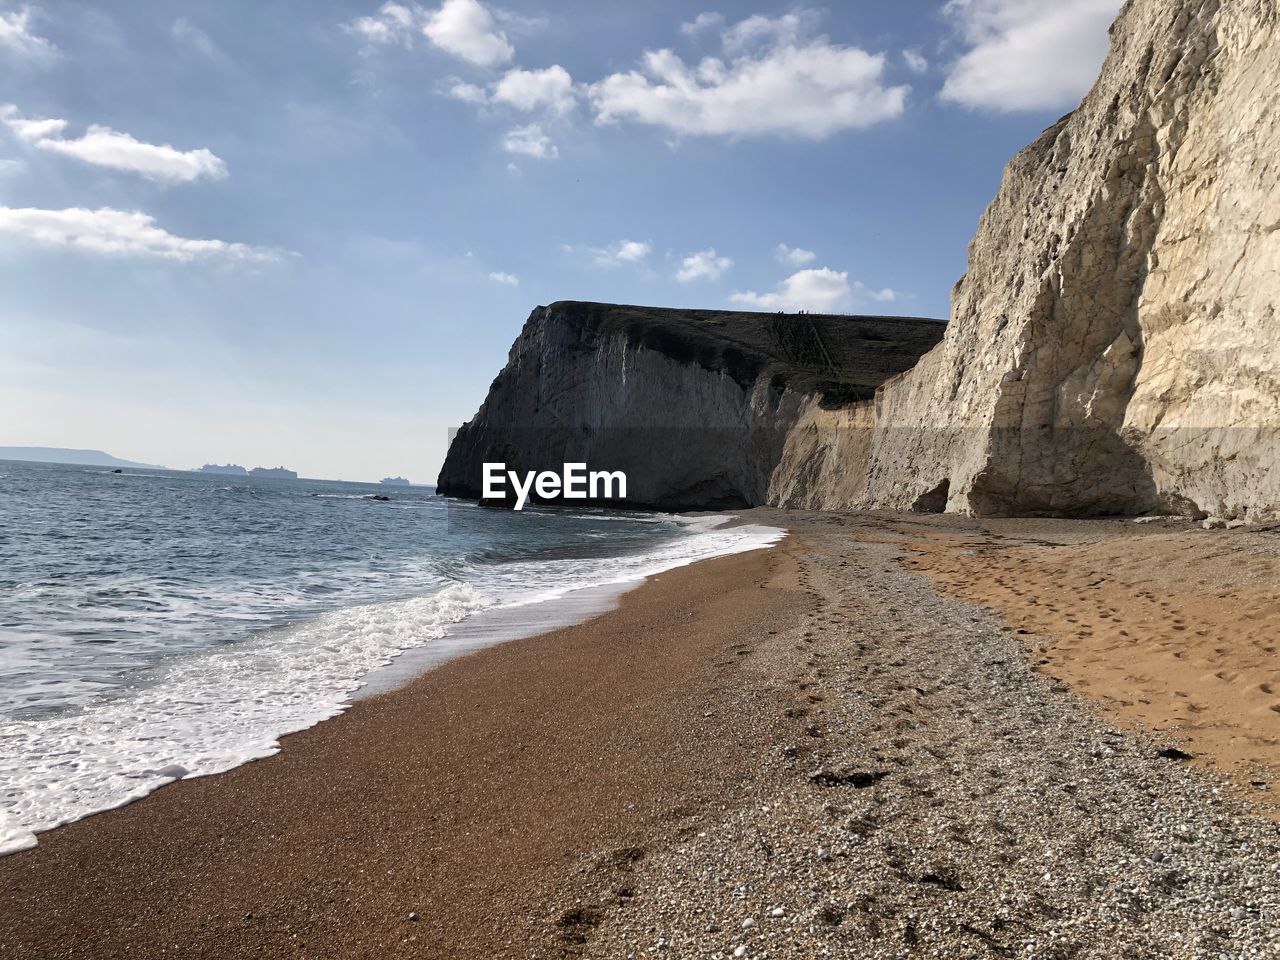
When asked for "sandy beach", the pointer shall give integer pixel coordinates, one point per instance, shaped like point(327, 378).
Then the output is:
point(823, 749)
point(487, 798)
point(1166, 626)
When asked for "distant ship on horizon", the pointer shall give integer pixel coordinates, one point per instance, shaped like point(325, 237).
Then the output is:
point(394, 481)
point(235, 470)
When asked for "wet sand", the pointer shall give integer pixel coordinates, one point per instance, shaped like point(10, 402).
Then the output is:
point(488, 798)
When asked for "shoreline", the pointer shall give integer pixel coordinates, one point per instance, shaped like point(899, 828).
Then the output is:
point(492, 626)
point(811, 738)
point(470, 762)
point(454, 628)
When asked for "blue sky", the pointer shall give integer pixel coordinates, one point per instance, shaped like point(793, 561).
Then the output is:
point(307, 231)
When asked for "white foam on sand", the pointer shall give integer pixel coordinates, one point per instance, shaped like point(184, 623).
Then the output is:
point(549, 595)
point(208, 713)
point(205, 714)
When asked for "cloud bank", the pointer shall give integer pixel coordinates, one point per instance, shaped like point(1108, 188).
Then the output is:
point(820, 290)
point(772, 80)
point(119, 232)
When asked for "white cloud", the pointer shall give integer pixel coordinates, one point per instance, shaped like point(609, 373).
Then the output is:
point(530, 141)
point(624, 251)
point(822, 290)
point(550, 90)
point(30, 130)
point(463, 28)
point(527, 90)
point(703, 265)
point(793, 256)
point(789, 86)
point(505, 279)
point(393, 23)
point(759, 30)
point(17, 37)
point(468, 92)
point(885, 295)
point(104, 147)
point(121, 232)
point(1027, 54)
point(915, 61)
point(703, 21)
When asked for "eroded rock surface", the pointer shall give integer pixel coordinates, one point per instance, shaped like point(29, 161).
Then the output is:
point(1113, 345)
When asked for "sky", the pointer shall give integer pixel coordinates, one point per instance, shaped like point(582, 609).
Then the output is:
point(306, 232)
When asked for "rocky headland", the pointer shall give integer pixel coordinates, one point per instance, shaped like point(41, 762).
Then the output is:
point(1111, 349)
point(695, 406)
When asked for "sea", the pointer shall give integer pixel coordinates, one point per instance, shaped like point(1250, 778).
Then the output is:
point(156, 625)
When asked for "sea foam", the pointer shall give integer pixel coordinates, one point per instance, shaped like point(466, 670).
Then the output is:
point(207, 713)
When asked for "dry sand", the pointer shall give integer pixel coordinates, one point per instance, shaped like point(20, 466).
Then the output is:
point(1170, 627)
point(811, 739)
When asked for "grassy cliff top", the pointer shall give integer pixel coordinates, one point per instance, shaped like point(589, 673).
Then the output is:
point(843, 357)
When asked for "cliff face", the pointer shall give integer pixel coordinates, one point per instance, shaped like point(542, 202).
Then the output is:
point(1113, 347)
point(693, 405)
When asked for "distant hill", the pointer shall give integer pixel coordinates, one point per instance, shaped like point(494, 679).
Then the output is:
point(84, 458)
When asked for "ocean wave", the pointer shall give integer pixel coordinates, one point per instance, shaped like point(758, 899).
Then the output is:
point(204, 713)
point(208, 713)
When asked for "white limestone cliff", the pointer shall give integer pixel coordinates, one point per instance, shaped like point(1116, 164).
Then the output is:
point(1114, 346)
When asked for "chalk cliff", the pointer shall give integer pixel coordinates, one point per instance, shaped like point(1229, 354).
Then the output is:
point(693, 405)
point(1113, 347)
